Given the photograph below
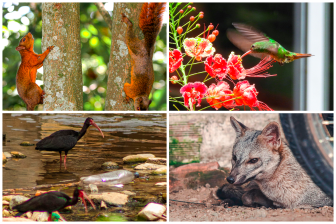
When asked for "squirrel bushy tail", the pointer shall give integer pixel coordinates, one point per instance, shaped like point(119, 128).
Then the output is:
point(150, 23)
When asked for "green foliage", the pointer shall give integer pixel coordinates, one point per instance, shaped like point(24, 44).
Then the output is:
point(96, 45)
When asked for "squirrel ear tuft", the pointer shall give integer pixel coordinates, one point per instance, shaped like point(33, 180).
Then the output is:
point(239, 127)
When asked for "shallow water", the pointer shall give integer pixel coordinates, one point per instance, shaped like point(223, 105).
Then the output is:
point(125, 134)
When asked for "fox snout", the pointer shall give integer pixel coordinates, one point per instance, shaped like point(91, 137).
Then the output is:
point(230, 179)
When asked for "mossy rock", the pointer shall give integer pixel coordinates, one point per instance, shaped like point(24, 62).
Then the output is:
point(26, 144)
point(139, 158)
point(160, 171)
point(18, 155)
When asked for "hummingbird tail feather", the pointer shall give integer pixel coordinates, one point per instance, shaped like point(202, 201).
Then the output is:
point(298, 55)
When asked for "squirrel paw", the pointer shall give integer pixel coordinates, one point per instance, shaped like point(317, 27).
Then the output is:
point(50, 48)
point(126, 99)
point(125, 19)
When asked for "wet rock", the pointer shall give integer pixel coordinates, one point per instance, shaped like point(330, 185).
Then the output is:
point(110, 165)
point(103, 204)
point(160, 171)
point(40, 216)
point(149, 166)
point(6, 213)
point(139, 158)
point(160, 161)
point(4, 159)
point(164, 196)
point(16, 200)
point(29, 214)
point(7, 154)
point(161, 184)
point(26, 144)
point(5, 202)
point(40, 192)
point(8, 197)
point(18, 155)
point(111, 198)
point(93, 188)
point(16, 219)
point(152, 211)
point(130, 193)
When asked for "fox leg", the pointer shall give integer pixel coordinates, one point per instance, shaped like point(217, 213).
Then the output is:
point(255, 197)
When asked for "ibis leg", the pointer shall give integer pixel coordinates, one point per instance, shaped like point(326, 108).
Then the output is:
point(65, 159)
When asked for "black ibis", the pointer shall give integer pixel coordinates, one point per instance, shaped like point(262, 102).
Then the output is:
point(52, 201)
point(65, 140)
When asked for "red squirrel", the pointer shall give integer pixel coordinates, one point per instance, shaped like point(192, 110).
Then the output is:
point(141, 51)
point(28, 90)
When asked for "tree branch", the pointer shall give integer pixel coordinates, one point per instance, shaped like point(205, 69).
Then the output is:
point(106, 16)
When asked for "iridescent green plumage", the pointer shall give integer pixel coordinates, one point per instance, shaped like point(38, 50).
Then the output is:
point(259, 45)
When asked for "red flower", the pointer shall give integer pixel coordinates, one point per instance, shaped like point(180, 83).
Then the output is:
point(217, 94)
point(194, 91)
point(216, 66)
point(235, 67)
point(246, 94)
point(175, 60)
point(198, 48)
point(237, 71)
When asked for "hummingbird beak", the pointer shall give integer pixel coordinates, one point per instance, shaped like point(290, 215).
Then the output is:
point(248, 52)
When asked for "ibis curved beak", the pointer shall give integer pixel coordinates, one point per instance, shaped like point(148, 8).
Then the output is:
point(248, 52)
point(83, 196)
point(94, 124)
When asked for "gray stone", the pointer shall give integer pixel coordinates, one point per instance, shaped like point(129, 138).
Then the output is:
point(160, 161)
point(111, 198)
point(139, 158)
point(149, 166)
point(16, 200)
point(93, 188)
point(110, 165)
point(152, 211)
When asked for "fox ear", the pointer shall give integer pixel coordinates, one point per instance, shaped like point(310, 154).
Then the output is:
point(272, 134)
point(239, 127)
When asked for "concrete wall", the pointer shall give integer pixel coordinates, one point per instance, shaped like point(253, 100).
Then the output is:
point(216, 132)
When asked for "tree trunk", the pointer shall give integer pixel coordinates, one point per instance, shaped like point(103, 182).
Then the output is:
point(62, 69)
point(119, 66)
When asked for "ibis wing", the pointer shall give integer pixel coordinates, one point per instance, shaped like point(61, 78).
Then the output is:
point(45, 202)
point(242, 42)
point(250, 32)
point(60, 140)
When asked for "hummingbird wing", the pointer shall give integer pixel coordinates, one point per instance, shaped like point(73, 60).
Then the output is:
point(250, 32)
point(242, 42)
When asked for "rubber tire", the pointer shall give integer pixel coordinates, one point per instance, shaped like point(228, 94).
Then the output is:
point(307, 151)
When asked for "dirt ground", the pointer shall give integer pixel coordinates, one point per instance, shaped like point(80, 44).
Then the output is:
point(210, 209)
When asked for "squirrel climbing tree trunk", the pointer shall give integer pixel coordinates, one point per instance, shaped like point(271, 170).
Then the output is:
point(62, 69)
point(119, 67)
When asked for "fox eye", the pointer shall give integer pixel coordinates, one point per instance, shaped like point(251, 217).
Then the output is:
point(253, 160)
point(234, 158)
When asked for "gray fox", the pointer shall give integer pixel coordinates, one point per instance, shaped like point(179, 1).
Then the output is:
point(275, 178)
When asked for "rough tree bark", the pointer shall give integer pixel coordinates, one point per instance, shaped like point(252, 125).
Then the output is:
point(119, 66)
point(62, 69)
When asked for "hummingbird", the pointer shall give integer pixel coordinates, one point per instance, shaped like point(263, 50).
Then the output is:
point(260, 45)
